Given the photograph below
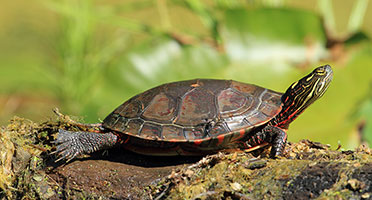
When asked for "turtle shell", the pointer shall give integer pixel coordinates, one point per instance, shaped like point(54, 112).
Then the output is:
point(195, 111)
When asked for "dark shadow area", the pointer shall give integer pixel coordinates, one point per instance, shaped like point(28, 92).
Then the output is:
point(121, 155)
point(127, 157)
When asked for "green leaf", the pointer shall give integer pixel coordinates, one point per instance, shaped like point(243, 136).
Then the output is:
point(164, 60)
point(357, 38)
point(357, 15)
point(326, 10)
point(274, 35)
point(158, 61)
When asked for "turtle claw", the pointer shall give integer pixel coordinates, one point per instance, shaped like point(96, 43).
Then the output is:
point(65, 155)
point(59, 159)
point(67, 146)
point(72, 144)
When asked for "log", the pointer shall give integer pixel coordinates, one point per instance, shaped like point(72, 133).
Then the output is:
point(307, 170)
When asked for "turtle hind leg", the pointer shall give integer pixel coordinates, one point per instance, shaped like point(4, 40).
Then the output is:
point(71, 144)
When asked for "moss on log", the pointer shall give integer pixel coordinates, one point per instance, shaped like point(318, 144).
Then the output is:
point(308, 170)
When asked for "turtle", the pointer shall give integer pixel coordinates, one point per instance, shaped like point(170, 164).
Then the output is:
point(199, 117)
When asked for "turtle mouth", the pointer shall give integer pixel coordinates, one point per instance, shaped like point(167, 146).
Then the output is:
point(325, 74)
point(329, 73)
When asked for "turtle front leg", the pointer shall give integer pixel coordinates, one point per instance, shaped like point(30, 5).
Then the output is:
point(273, 135)
point(71, 144)
point(278, 140)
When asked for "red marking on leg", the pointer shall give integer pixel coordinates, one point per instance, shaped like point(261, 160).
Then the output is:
point(254, 140)
point(220, 139)
point(259, 139)
point(241, 144)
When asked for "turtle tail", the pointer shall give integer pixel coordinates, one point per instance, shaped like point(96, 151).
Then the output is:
point(71, 144)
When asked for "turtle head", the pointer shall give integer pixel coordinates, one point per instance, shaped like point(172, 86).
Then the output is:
point(303, 93)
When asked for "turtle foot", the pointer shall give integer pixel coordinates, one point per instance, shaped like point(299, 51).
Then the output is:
point(72, 144)
point(68, 145)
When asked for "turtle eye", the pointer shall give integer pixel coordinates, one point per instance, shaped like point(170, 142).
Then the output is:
point(320, 70)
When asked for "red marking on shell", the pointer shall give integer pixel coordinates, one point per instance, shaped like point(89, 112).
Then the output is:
point(151, 131)
point(189, 104)
point(230, 101)
point(196, 106)
point(220, 139)
point(173, 133)
point(198, 142)
point(246, 88)
point(163, 99)
point(161, 108)
point(167, 112)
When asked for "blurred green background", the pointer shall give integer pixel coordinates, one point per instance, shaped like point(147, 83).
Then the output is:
point(86, 57)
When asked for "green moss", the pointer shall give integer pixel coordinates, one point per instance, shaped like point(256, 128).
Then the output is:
point(25, 147)
point(233, 176)
point(304, 164)
point(22, 143)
